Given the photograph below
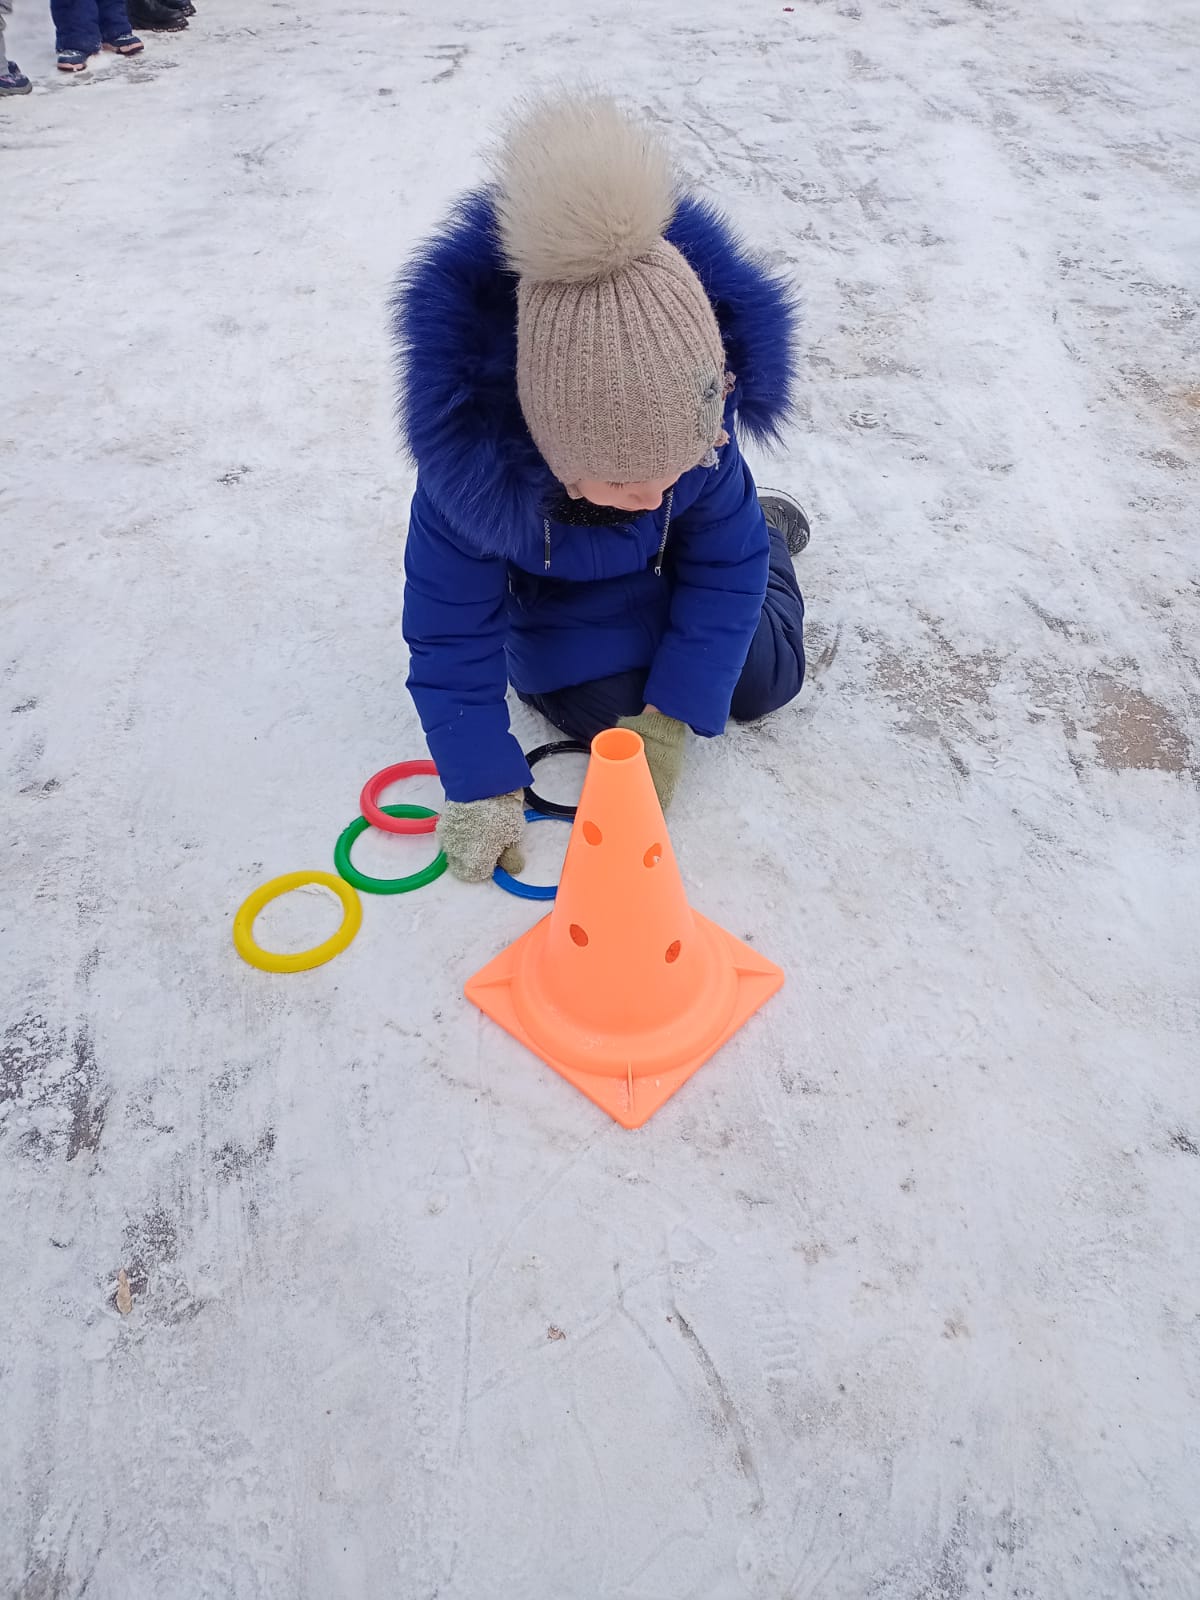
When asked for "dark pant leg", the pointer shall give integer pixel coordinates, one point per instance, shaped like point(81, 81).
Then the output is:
point(76, 23)
point(114, 18)
point(774, 670)
point(586, 709)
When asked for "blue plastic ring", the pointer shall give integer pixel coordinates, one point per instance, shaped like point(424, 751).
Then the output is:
point(528, 891)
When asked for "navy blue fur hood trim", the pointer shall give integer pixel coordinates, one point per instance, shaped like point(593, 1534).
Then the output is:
point(454, 323)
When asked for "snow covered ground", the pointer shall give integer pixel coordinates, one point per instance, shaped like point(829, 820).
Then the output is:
point(899, 1299)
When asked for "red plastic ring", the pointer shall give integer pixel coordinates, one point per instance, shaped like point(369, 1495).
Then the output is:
point(368, 801)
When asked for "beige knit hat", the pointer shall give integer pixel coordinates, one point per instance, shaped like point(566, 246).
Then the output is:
point(620, 369)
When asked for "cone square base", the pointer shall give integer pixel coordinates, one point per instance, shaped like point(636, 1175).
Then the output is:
point(631, 1100)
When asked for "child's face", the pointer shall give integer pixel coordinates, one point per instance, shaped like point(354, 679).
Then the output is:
point(636, 496)
point(623, 496)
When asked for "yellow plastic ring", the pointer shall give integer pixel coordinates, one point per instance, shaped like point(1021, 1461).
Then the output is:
point(303, 960)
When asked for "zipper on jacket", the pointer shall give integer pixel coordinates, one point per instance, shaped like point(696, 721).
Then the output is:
point(662, 549)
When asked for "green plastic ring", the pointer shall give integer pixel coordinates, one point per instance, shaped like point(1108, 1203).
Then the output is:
point(415, 880)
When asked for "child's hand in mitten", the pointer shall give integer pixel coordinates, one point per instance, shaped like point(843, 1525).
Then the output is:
point(664, 739)
point(478, 834)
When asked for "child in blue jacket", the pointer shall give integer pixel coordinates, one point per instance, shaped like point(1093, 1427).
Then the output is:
point(579, 348)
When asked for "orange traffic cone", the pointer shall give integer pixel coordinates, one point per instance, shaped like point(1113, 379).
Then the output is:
point(623, 988)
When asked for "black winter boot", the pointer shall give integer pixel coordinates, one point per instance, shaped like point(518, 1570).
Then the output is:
point(155, 16)
point(786, 516)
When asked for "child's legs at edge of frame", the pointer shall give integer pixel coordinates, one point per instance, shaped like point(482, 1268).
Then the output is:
point(114, 18)
point(76, 24)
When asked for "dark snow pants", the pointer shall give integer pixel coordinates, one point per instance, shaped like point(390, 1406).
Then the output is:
point(84, 24)
point(773, 674)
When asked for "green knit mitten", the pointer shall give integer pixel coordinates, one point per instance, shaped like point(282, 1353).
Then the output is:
point(664, 739)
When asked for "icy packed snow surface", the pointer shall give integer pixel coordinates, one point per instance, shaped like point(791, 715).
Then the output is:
point(899, 1298)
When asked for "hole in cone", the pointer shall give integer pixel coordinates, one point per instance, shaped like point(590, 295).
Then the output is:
point(617, 744)
point(592, 833)
point(653, 856)
point(672, 951)
point(581, 938)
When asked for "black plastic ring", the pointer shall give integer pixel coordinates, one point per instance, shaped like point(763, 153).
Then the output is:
point(563, 747)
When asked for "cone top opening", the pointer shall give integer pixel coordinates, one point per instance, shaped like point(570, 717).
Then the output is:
point(617, 744)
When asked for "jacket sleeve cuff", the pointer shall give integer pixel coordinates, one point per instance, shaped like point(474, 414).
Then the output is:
point(476, 755)
point(670, 688)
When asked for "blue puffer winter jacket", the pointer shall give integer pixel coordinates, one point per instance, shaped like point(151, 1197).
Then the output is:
point(489, 598)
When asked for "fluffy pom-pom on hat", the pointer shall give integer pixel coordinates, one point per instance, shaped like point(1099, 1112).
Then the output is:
point(583, 190)
point(620, 366)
